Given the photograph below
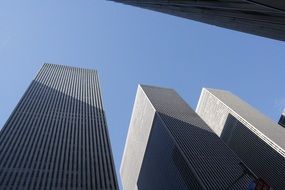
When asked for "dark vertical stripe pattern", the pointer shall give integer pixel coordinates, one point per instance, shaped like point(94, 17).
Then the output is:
point(57, 138)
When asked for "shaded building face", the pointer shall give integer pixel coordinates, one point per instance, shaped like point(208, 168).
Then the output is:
point(257, 140)
point(163, 166)
point(259, 17)
point(56, 138)
point(282, 119)
point(170, 147)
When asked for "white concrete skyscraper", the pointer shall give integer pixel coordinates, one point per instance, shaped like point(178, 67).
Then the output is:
point(170, 147)
point(256, 139)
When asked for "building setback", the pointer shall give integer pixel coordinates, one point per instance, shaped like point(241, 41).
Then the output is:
point(259, 17)
point(170, 147)
point(57, 138)
point(256, 139)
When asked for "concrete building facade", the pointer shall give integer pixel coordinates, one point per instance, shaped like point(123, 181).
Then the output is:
point(56, 137)
point(255, 138)
point(169, 146)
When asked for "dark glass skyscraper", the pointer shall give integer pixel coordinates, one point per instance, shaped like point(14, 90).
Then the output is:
point(260, 17)
point(57, 138)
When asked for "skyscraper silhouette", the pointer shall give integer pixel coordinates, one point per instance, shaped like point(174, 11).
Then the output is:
point(256, 139)
point(57, 138)
point(170, 147)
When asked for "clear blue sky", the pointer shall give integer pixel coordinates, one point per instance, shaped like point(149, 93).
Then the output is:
point(129, 45)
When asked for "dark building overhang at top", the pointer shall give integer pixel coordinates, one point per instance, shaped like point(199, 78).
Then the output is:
point(276, 4)
point(260, 17)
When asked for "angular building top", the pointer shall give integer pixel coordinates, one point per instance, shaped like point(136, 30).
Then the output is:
point(257, 140)
point(57, 138)
point(262, 124)
point(170, 147)
point(260, 17)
